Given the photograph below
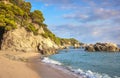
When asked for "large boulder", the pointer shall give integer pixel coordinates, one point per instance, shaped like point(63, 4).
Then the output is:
point(98, 47)
point(111, 47)
point(90, 48)
point(77, 45)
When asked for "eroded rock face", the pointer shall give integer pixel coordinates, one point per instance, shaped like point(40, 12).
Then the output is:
point(109, 47)
point(21, 40)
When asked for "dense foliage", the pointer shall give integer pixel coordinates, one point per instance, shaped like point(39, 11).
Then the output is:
point(70, 41)
point(14, 12)
point(37, 17)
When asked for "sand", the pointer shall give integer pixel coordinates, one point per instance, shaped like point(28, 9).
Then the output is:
point(15, 69)
point(32, 68)
point(47, 71)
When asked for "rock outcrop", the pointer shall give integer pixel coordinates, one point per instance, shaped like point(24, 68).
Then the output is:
point(104, 47)
point(77, 45)
point(21, 40)
point(90, 48)
point(23, 30)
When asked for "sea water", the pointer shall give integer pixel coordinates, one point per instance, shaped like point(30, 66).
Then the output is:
point(88, 64)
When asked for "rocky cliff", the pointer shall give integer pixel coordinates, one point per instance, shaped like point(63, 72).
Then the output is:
point(21, 40)
point(23, 30)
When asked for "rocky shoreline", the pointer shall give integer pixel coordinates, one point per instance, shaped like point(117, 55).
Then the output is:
point(20, 40)
point(102, 47)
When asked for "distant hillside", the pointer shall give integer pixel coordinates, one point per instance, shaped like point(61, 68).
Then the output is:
point(23, 30)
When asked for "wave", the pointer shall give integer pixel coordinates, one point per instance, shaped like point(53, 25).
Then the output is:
point(79, 73)
point(50, 61)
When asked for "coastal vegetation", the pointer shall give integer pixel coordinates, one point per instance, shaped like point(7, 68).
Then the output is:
point(18, 21)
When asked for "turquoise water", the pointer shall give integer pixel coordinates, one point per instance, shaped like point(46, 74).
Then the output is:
point(98, 62)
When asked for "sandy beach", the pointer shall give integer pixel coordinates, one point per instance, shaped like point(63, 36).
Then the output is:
point(47, 71)
point(15, 69)
point(32, 68)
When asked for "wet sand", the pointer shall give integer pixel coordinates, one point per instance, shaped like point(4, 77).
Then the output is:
point(47, 71)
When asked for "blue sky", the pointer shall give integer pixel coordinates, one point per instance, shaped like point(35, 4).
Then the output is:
point(89, 21)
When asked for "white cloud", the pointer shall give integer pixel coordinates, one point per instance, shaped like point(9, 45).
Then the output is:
point(89, 32)
point(47, 5)
point(100, 19)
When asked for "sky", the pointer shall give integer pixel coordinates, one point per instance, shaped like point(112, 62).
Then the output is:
point(89, 21)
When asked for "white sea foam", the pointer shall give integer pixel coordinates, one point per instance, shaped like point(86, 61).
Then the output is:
point(50, 61)
point(79, 73)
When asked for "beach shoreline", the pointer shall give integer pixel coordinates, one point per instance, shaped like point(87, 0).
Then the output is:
point(32, 68)
point(45, 70)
